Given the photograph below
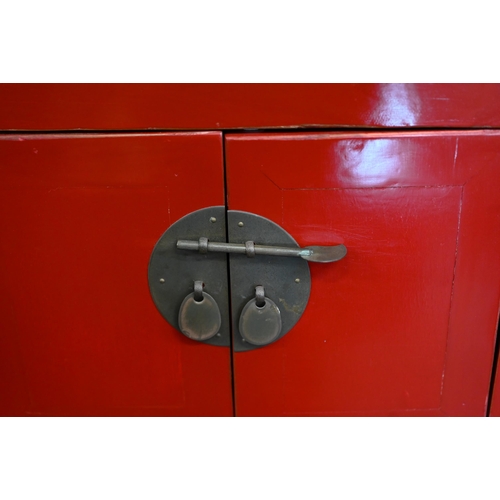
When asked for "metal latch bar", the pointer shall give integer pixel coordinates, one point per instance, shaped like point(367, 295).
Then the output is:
point(312, 253)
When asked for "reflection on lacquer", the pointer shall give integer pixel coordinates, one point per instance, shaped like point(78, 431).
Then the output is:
point(367, 163)
point(398, 105)
point(378, 162)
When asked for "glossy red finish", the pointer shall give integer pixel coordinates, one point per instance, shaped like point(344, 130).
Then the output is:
point(405, 324)
point(227, 106)
point(79, 217)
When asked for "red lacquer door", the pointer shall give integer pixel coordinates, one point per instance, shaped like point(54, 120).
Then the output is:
point(405, 323)
point(79, 217)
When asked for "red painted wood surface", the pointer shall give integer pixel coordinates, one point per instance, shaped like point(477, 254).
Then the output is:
point(227, 106)
point(405, 324)
point(79, 217)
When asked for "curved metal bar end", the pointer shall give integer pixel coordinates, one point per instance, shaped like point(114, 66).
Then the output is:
point(324, 254)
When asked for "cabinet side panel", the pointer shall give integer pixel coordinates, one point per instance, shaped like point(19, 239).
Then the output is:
point(495, 403)
point(476, 296)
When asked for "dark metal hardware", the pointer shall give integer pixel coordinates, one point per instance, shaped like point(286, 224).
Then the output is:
point(199, 315)
point(268, 290)
point(322, 254)
point(287, 282)
point(260, 320)
point(175, 275)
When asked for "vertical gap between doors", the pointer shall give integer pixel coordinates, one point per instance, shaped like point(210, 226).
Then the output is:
point(226, 203)
point(493, 370)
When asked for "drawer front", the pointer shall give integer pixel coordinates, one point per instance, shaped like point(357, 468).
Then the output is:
point(79, 333)
point(405, 323)
point(229, 106)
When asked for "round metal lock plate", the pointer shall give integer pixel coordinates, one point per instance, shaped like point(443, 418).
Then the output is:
point(260, 325)
point(174, 269)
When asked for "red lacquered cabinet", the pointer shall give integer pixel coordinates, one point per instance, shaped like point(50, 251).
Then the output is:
point(405, 324)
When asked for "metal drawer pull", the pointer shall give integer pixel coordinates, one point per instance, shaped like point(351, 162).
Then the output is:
point(199, 315)
point(312, 253)
point(260, 320)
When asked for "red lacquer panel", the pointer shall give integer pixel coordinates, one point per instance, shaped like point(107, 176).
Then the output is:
point(405, 323)
point(228, 106)
point(79, 333)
